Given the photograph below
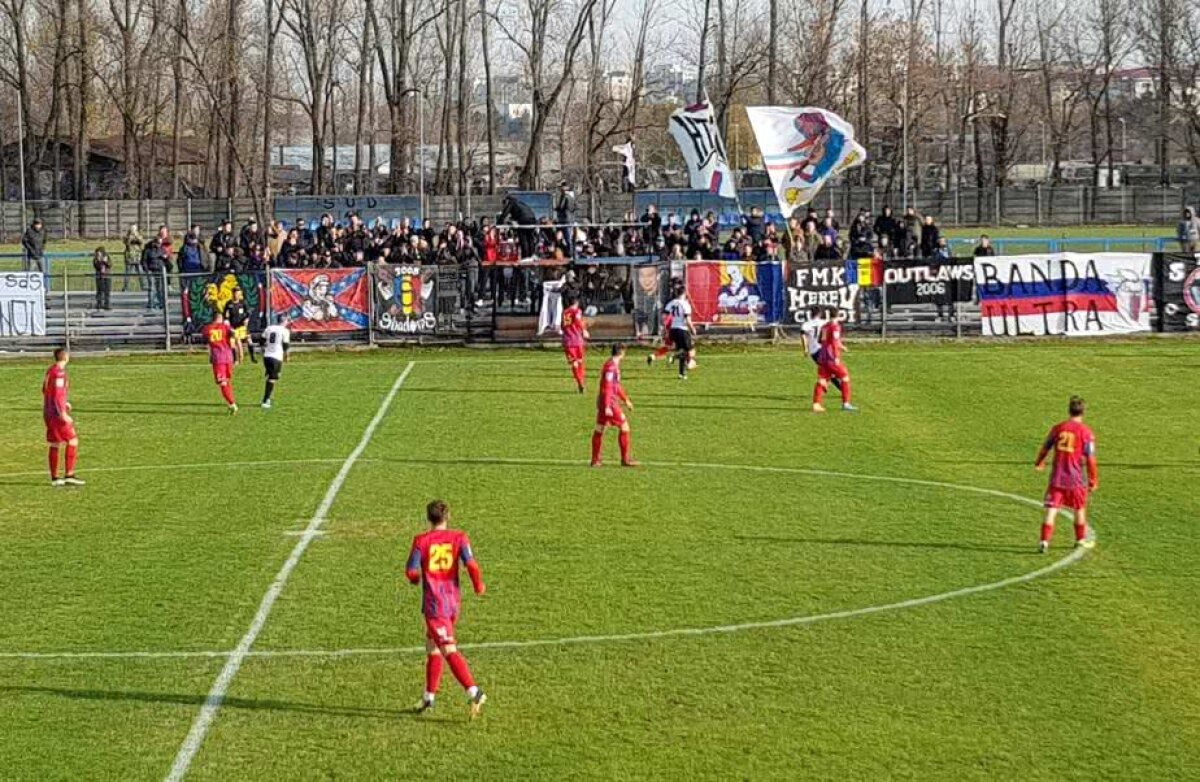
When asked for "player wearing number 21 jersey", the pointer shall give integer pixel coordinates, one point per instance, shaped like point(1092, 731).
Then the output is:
point(1074, 447)
point(433, 563)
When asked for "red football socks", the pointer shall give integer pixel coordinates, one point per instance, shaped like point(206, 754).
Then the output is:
point(1047, 532)
point(1080, 529)
point(433, 672)
point(227, 392)
point(597, 445)
point(818, 393)
point(53, 464)
point(623, 440)
point(72, 453)
point(846, 391)
point(662, 352)
point(578, 371)
point(458, 666)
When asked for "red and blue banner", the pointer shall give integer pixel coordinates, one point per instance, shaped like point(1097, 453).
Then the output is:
point(1067, 294)
point(321, 299)
point(735, 293)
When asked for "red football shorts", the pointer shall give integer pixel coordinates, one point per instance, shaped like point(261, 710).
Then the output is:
point(829, 370)
point(59, 431)
point(222, 373)
point(1074, 499)
point(573, 353)
point(440, 631)
point(610, 416)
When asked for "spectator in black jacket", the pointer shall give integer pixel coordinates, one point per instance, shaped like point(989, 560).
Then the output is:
point(250, 234)
point(886, 225)
point(102, 264)
point(651, 225)
point(984, 248)
point(930, 234)
point(221, 245)
point(827, 250)
point(33, 246)
point(154, 263)
point(754, 224)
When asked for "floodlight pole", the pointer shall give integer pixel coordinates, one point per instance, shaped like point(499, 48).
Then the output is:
point(21, 154)
point(421, 147)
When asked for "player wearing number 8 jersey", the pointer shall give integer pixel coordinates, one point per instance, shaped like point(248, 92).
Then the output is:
point(1074, 447)
point(433, 563)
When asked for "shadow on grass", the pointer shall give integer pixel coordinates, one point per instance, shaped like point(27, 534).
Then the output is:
point(360, 712)
point(142, 408)
point(1103, 465)
point(887, 543)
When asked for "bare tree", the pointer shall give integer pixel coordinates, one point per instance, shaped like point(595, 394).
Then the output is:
point(534, 42)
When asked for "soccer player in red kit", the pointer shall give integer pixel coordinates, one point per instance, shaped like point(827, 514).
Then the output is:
point(608, 408)
point(667, 347)
point(574, 336)
point(219, 337)
point(1073, 446)
point(433, 563)
point(60, 426)
point(830, 366)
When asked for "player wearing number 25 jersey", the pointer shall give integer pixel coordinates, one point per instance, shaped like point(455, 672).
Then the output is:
point(1074, 447)
point(433, 563)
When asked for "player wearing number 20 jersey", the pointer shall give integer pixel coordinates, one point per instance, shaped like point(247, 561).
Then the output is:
point(1074, 447)
point(433, 562)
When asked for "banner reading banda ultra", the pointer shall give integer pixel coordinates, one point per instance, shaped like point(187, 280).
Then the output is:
point(1064, 294)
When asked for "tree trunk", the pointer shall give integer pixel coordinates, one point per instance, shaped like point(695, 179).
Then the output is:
point(489, 107)
point(83, 42)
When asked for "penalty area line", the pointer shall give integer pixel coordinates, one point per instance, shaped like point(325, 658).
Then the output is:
point(216, 695)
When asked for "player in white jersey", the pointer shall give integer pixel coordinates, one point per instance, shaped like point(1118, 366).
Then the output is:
point(811, 329)
point(681, 328)
point(276, 341)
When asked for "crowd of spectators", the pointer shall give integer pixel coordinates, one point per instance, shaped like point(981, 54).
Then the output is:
point(516, 234)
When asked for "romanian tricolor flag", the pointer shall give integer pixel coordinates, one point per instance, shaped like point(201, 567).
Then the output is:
point(864, 272)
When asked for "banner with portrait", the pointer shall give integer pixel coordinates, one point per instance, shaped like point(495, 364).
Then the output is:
point(321, 300)
point(735, 293)
point(404, 299)
point(202, 295)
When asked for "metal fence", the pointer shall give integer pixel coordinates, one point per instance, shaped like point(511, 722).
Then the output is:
point(624, 297)
point(1040, 205)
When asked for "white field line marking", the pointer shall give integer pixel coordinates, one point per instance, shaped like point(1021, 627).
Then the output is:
point(193, 466)
point(1071, 558)
point(294, 532)
point(216, 695)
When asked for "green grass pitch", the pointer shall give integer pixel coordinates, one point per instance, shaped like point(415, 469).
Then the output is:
point(1088, 672)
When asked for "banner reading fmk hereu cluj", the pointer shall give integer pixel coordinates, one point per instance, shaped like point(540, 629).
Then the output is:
point(1064, 294)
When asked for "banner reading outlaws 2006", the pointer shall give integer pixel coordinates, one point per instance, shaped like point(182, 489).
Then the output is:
point(1179, 293)
point(921, 282)
point(321, 299)
point(404, 300)
point(1068, 294)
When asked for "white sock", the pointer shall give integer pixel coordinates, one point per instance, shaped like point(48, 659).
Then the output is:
point(429, 696)
point(472, 691)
